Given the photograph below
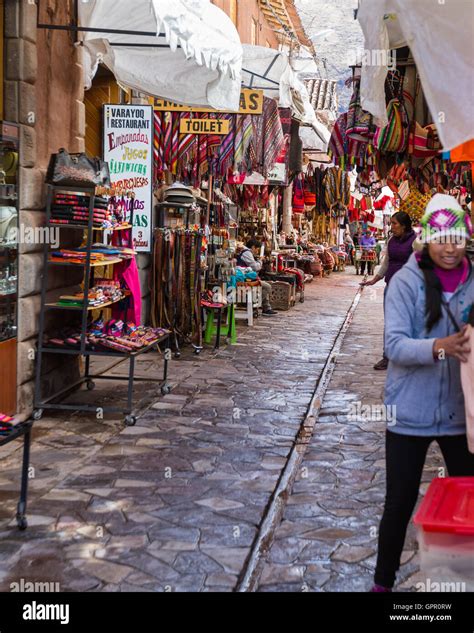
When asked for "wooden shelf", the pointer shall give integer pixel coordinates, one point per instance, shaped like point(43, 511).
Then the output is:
point(89, 308)
point(107, 262)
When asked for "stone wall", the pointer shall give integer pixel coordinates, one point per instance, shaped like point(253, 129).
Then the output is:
point(43, 93)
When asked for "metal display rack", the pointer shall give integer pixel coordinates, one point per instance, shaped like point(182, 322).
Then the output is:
point(51, 402)
point(23, 429)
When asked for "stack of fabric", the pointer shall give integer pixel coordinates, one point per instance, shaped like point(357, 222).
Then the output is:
point(105, 291)
point(75, 209)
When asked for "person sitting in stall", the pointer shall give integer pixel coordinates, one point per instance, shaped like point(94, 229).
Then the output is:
point(249, 257)
point(367, 241)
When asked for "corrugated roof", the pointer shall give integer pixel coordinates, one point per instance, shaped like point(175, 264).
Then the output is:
point(323, 94)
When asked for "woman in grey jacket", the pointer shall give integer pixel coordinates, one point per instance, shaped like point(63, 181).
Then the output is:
point(428, 305)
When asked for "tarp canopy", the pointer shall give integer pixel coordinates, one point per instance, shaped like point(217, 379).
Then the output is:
point(187, 51)
point(315, 138)
point(440, 37)
point(271, 71)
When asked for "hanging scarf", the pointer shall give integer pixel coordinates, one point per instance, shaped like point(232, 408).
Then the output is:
point(273, 138)
point(157, 143)
point(243, 136)
point(187, 142)
point(226, 149)
point(167, 139)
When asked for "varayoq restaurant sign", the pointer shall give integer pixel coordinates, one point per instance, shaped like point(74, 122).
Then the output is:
point(128, 148)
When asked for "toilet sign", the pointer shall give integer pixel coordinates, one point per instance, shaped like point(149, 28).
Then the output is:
point(204, 126)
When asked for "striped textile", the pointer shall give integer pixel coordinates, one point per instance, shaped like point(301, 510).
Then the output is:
point(202, 154)
point(187, 142)
point(167, 139)
point(226, 149)
point(243, 136)
point(273, 137)
point(174, 142)
point(256, 143)
point(157, 144)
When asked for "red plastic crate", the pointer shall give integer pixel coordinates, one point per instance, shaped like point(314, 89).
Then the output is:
point(448, 506)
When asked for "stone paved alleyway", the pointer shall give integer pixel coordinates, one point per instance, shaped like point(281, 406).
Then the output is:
point(327, 540)
point(174, 503)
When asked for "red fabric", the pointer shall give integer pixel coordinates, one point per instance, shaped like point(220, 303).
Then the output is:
point(298, 196)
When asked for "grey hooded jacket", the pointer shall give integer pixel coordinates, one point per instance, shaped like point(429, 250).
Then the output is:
point(426, 392)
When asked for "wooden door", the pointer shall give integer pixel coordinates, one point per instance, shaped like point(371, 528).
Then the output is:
point(104, 90)
point(8, 368)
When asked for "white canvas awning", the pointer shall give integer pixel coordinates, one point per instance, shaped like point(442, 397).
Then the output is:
point(187, 51)
point(315, 138)
point(440, 37)
point(270, 70)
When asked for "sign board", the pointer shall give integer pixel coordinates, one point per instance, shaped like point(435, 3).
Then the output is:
point(204, 126)
point(128, 148)
point(251, 102)
point(278, 174)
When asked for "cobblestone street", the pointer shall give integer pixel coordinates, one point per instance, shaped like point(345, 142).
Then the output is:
point(175, 503)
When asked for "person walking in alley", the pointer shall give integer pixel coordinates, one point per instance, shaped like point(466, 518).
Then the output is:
point(428, 304)
point(398, 251)
point(368, 242)
point(249, 258)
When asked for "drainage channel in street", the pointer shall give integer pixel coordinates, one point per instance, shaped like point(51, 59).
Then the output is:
point(250, 575)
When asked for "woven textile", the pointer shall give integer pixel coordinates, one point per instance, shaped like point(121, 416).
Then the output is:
point(157, 144)
point(273, 139)
point(167, 128)
point(226, 149)
point(243, 136)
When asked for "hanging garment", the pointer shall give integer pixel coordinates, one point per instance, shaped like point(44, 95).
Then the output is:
point(167, 130)
point(296, 148)
point(243, 136)
point(298, 195)
point(273, 139)
point(338, 143)
point(127, 273)
point(359, 122)
point(187, 142)
point(226, 149)
point(158, 144)
point(256, 143)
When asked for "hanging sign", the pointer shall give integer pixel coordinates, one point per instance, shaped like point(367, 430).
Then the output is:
point(251, 102)
point(278, 175)
point(204, 126)
point(128, 148)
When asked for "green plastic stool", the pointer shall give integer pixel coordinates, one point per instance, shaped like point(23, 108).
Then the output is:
point(229, 330)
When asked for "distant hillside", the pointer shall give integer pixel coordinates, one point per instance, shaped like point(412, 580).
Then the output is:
point(337, 47)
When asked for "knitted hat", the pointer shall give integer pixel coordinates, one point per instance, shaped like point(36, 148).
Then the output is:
point(444, 217)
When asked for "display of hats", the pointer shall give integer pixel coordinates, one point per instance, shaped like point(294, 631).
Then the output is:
point(178, 194)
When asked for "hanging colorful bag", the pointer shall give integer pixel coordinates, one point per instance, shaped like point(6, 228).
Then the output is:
point(415, 203)
point(298, 196)
point(394, 136)
point(424, 141)
point(359, 122)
